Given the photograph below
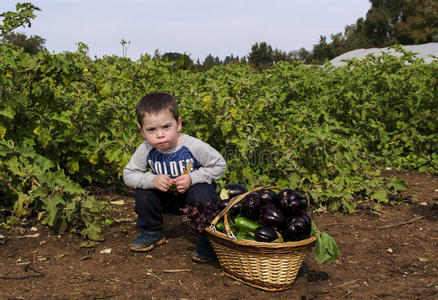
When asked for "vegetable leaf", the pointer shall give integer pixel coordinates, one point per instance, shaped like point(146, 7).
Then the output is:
point(326, 250)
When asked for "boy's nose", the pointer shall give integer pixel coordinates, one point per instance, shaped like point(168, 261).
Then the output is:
point(160, 132)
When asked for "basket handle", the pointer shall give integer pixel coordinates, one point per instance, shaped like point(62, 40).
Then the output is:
point(234, 201)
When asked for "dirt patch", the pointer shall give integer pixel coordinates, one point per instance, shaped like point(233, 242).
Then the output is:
point(390, 254)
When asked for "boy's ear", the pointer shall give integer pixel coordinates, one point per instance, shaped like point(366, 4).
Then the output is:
point(141, 132)
point(179, 124)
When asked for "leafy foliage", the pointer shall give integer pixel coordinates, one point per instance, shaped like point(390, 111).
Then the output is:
point(15, 19)
point(31, 45)
point(67, 121)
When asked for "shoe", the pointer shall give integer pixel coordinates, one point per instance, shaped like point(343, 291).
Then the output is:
point(146, 240)
point(203, 252)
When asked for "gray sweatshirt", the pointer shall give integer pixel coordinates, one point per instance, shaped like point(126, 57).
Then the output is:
point(201, 161)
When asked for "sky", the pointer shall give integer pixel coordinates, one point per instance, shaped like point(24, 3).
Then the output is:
point(194, 27)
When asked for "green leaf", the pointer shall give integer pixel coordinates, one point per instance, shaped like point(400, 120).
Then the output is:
point(73, 187)
point(43, 164)
point(93, 232)
point(70, 210)
point(207, 102)
point(106, 91)
point(62, 227)
point(2, 131)
point(14, 166)
point(53, 211)
point(64, 117)
point(226, 127)
point(22, 202)
point(326, 250)
point(8, 112)
point(380, 195)
point(349, 206)
point(294, 180)
point(399, 184)
point(321, 254)
point(114, 154)
point(72, 165)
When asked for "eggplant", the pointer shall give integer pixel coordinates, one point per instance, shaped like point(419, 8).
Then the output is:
point(232, 190)
point(222, 204)
point(251, 206)
point(234, 210)
point(265, 234)
point(306, 218)
point(272, 215)
point(268, 196)
point(292, 202)
point(297, 229)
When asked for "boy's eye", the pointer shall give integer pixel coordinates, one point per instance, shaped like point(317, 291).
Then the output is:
point(166, 126)
point(150, 130)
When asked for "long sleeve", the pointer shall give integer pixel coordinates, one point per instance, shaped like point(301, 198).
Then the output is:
point(213, 165)
point(134, 173)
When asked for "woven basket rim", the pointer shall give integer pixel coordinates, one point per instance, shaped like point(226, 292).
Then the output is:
point(244, 242)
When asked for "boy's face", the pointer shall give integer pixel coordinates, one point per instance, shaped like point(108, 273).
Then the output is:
point(161, 130)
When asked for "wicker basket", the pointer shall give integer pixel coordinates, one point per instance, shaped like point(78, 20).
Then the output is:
point(268, 266)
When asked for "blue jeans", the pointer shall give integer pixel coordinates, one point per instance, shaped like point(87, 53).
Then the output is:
point(151, 204)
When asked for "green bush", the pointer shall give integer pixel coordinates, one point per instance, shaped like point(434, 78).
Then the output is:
point(67, 121)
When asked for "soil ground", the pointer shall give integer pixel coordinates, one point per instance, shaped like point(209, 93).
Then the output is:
point(386, 254)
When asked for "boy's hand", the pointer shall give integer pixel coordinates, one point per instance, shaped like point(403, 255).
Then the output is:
point(162, 182)
point(182, 183)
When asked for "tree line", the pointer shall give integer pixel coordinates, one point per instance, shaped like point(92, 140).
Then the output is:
point(386, 23)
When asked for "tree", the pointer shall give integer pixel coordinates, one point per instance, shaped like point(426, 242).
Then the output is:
point(353, 38)
point(217, 61)
point(231, 59)
point(400, 21)
point(261, 55)
point(209, 62)
point(182, 61)
point(12, 20)
point(379, 20)
point(303, 54)
point(157, 55)
point(350, 40)
point(387, 22)
point(279, 55)
point(322, 50)
point(31, 45)
point(418, 22)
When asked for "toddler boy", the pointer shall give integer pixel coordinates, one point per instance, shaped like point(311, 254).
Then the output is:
point(169, 169)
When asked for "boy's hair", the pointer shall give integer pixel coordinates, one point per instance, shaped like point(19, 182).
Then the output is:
point(155, 103)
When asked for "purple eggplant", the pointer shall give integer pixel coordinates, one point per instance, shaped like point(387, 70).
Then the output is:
point(234, 210)
point(250, 207)
point(272, 215)
point(265, 234)
point(268, 196)
point(297, 229)
point(306, 218)
point(292, 202)
point(232, 190)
